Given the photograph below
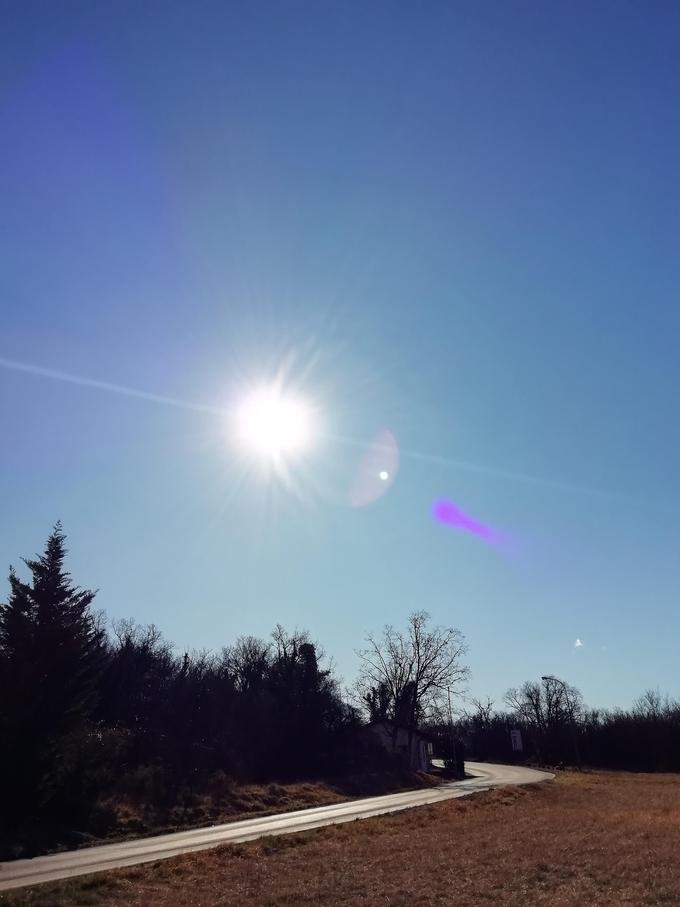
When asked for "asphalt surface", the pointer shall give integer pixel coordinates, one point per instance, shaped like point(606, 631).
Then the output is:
point(20, 873)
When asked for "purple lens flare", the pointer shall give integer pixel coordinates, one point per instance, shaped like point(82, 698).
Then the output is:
point(445, 511)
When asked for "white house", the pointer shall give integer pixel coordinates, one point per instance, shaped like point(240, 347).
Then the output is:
point(411, 744)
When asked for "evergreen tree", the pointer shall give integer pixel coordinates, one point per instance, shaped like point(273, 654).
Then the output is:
point(52, 650)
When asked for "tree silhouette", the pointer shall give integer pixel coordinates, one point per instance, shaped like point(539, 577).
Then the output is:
point(404, 676)
point(52, 651)
point(550, 710)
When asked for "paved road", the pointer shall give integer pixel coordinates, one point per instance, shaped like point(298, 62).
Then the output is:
point(19, 873)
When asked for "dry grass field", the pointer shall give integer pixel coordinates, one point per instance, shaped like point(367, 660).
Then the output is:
point(591, 839)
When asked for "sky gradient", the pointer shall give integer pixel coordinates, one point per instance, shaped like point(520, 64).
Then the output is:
point(456, 226)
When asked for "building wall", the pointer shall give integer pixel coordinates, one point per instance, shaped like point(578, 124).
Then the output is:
point(418, 758)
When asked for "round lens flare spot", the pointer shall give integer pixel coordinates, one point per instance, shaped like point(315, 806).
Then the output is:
point(273, 424)
point(376, 471)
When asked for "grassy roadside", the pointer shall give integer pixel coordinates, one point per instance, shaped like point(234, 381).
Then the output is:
point(224, 801)
point(597, 838)
point(231, 802)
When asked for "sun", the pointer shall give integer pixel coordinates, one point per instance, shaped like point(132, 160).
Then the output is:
point(274, 425)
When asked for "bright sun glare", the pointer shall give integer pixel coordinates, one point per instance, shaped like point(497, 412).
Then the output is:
point(273, 424)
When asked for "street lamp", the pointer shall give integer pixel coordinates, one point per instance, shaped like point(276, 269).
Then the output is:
point(571, 715)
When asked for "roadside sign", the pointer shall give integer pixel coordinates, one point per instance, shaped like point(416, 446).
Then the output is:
point(516, 740)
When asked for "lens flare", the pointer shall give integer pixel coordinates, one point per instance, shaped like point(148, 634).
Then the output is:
point(445, 511)
point(376, 471)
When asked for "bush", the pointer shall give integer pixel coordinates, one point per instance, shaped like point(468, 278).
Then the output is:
point(220, 785)
point(146, 784)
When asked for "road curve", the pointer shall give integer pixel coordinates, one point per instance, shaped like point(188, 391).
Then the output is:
point(484, 776)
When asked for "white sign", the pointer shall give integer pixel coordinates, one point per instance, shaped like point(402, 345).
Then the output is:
point(516, 740)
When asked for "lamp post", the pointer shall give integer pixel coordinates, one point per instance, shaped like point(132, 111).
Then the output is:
point(571, 715)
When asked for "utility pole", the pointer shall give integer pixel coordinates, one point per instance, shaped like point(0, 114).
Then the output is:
point(454, 757)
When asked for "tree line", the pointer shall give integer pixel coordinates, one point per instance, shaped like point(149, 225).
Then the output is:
point(86, 709)
point(557, 728)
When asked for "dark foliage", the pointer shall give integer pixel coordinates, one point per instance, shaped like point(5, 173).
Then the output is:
point(84, 714)
point(557, 730)
point(256, 711)
point(52, 654)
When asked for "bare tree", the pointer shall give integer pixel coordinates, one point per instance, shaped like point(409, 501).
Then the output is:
point(247, 662)
point(406, 676)
point(652, 705)
point(547, 708)
point(547, 704)
point(483, 712)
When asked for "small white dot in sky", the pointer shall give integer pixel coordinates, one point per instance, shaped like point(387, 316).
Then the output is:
point(384, 475)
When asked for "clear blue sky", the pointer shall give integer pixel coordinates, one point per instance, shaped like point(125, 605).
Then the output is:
point(462, 220)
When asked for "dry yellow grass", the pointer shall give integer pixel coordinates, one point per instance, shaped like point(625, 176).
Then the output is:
point(592, 839)
point(228, 802)
point(245, 801)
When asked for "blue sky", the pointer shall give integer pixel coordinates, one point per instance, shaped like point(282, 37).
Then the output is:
point(457, 222)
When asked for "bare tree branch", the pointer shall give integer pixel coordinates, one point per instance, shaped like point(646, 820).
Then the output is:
point(408, 674)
